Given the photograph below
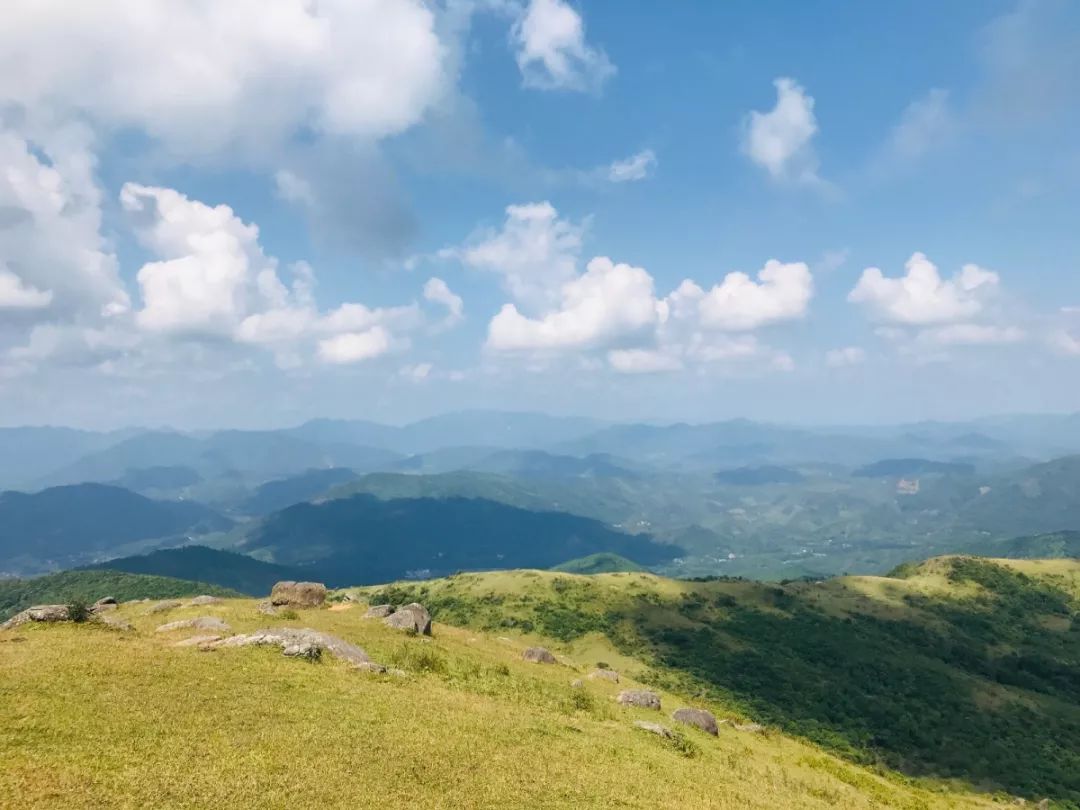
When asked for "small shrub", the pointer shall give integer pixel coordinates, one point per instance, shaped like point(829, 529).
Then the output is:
point(78, 611)
point(289, 615)
point(603, 665)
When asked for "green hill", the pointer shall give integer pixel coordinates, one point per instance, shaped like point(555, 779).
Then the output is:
point(364, 539)
point(965, 668)
point(100, 718)
point(89, 586)
point(225, 569)
point(602, 563)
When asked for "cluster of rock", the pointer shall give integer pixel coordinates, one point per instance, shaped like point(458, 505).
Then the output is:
point(63, 613)
point(298, 643)
point(412, 618)
point(538, 655)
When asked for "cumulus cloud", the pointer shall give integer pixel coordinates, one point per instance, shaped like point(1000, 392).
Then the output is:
point(606, 303)
point(635, 167)
point(846, 356)
point(779, 140)
point(202, 76)
point(437, 292)
point(54, 260)
point(612, 310)
point(353, 347)
point(17, 294)
point(738, 303)
point(552, 53)
point(534, 253)
point(921, 297)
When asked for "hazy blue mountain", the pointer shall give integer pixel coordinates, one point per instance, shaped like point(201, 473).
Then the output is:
point(283, 492)
point(759, 476)
point(222, 568)
point(894, 467)
point(444, 460)
point(539, 464)
point(254, 454)
point(157, 479)
point(363, 539)
point(27, 453)
point(63, 525)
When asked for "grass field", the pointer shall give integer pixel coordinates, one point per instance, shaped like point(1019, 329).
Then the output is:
point(97, 718)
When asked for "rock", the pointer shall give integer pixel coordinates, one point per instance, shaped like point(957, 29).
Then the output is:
point(654, 728)
point(642, 698)
point(38, 613)
point(298, 594)
point(750, 728)
point(267, 609)
point(604, 675)
point(412, 617)
point(378, 611)
point(165, 604)
point(577, 683)
point(104, 602)
point(699, 718)
point(204, 599)
point(304, 648)
point(538, 655)
point(113, 622)
point(288, 637)
point(201, 623)
point(103, 608)
point(197, 641)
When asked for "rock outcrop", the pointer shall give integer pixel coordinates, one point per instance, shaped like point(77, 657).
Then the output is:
point(38, 613)
point(201, 623)
point(293, 642)
point(204, 599)
point(412, 617)
point(378, 611)
point(164, 605)
point(604, 675)
point(298, 594)
point(654, 728)
point(641, 698)
point(539, 655)
point(699, 718)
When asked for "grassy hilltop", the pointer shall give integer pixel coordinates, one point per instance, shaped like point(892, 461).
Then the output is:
point(101, 718)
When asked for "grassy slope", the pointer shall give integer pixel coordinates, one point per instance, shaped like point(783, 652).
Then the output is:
point(89, 586)
point(97, 718)
point(966, 668)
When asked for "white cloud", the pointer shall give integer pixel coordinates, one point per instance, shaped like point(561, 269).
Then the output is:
point(54, 260)
point(782, 292)
point(923, 125)
point(643, 361)
point(535, 252)
point(605, 304)
point(973, 334)
point(552, 52)
point(354, 347)
point(1064, 342)
point(635, 167)
point(437, 291)
point(200, 76)
point(17, 294)
point(779, 140)
point(846, 356)
point(921, 297)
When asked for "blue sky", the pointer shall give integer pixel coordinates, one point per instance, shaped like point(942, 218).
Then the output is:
point(255, 213)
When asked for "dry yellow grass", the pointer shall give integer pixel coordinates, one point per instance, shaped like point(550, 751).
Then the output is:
point(95, 718)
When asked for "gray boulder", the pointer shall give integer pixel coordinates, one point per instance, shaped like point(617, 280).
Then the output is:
point(604, 675)
point(293, 639)
point(298, 594)
point(38, 613)
point(104, 603)
point(412, 617)
point(539, 655)
point(164, 605)
point(112, 622)
point(699, 718)
point(201, 623)
point(204, 599)
point(641, 698)
point(654, 728)
point(378, 611)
